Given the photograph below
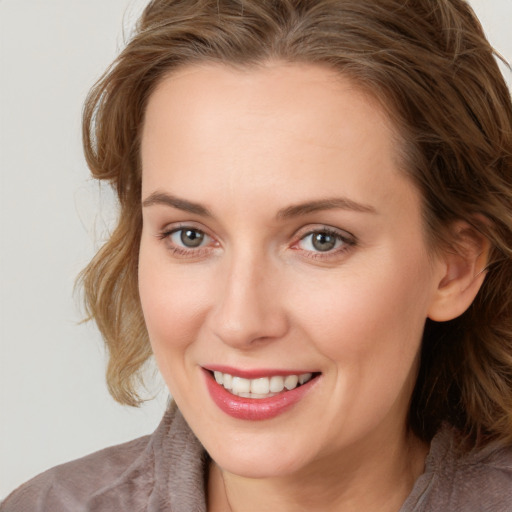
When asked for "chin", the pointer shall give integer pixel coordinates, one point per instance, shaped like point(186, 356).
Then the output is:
point(258, 463)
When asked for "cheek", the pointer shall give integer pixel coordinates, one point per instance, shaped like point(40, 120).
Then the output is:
point(369, 326)
point(375, 313)
point(172, 302)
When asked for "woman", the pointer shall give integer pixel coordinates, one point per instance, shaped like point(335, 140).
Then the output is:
point(315, 242)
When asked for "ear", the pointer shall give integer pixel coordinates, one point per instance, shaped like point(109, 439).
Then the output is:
point(462, 272)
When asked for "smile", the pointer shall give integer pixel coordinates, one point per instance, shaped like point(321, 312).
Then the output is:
point(264, 387)
point(259, 398)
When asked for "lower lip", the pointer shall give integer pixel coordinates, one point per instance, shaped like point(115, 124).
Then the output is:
point(255, 409)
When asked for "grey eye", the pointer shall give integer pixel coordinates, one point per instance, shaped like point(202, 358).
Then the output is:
point(321, 241)
point(191, 237)
point(187, 237)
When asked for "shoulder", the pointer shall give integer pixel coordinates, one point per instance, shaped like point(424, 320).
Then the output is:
point(164, 471)
point(457, 480)
point(68, 486)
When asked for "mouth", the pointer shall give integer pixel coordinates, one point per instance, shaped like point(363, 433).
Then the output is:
point(264, 396)
point(262, 387)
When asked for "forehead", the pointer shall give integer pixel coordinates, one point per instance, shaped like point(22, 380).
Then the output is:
point(268, 94)
point(261, 128)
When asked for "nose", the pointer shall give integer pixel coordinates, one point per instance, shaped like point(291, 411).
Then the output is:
point(249, 309)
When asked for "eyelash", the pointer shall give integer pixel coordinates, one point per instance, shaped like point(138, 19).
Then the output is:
point(184, 252)
point(347, 242)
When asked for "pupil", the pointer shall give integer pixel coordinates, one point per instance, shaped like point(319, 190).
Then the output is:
point(191, 237)
point(323, 242)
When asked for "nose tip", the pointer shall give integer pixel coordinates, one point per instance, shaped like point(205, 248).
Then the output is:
point(249, 311)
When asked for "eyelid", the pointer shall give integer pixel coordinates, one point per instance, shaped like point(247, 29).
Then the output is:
point(204, 242)
point(323, 228)
point(347, 238)
point(174, 226)
point(177, 226)
point(348, 241)
point(181, 250)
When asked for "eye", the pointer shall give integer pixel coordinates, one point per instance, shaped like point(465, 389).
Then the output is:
point(187, 241)
point(189, 238)
point(324, 241)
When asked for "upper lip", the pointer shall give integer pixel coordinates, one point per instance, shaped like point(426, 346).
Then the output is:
point(254, 373)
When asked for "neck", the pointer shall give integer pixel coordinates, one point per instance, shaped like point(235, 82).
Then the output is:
point(374, 476)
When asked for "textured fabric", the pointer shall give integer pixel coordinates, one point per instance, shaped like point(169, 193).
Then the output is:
point(458, 481)
point(166, 472)
point(163, 472)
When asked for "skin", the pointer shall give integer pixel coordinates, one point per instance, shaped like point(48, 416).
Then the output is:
point(246, 145)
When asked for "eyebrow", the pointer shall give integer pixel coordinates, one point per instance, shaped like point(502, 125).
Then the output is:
point(324, 204)
point(162, 198)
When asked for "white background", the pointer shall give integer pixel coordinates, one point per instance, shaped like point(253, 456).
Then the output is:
point(54, 405)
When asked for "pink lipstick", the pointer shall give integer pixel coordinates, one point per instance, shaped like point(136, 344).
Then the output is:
point(256, 409)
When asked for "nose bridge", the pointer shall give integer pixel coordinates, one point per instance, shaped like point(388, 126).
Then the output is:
point(248, 307)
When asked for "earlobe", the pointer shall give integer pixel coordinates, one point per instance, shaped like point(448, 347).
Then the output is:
point(464, 268)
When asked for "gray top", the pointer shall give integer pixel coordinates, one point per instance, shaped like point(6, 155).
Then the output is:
point(165, 472)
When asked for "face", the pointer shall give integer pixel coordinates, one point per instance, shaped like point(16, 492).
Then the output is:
point(281, 244)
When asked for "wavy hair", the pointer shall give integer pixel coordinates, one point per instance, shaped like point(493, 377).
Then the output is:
point(431, 66)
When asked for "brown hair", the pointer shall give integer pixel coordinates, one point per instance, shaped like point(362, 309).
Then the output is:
point(429, 62)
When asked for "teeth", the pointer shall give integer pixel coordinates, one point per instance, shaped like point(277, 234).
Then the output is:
point(291, 382)
point(263, 387)
point(305, 377)
point(241, 385)
point(276, 384)
point(228, 381)
point(260, 386)
point(253, 395)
